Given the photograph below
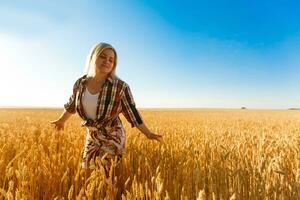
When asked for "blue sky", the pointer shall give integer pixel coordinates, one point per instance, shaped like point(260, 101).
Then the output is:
point(220, 54)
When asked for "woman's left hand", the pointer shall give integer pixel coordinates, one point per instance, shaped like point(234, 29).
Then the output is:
point(153, 136)
point(143, 128)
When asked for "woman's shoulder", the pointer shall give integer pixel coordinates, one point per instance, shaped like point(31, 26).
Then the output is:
point(80, 80)
point(120, 82)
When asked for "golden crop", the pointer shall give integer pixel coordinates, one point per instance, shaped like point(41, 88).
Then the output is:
point(204, 154)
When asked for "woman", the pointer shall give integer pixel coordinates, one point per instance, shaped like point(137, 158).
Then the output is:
point(99, 97)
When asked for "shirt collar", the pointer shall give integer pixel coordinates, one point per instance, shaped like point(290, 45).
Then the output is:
point(108, 79)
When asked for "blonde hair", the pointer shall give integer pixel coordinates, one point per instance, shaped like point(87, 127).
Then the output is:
point(92, 56)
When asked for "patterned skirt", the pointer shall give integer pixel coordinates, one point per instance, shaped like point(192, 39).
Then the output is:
point(107, 144)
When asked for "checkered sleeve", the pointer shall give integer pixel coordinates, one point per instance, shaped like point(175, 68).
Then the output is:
point(129, 109)
point(70, 105)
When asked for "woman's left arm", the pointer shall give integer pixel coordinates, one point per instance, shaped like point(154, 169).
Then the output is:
point(143, 128)
point(134, 117)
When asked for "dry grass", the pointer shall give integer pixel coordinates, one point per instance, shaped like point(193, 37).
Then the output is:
point(205, 154)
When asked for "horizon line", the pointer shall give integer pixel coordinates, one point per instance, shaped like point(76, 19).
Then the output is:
point(235, 108)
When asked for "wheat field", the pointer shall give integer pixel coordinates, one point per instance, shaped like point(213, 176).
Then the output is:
point(204, 154)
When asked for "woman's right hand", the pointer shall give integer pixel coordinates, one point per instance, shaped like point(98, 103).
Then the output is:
point(58, 124)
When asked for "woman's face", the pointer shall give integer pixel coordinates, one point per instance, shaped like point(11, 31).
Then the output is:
point(105, 61)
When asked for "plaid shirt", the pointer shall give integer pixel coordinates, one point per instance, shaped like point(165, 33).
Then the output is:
point(114, 98)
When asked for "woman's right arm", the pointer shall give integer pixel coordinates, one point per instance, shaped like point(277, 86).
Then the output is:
point(60, 122)
point(69, 109)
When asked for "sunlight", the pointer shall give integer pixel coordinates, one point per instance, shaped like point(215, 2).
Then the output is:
point(18, 66)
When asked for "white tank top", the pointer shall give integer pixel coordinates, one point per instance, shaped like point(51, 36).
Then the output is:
point(89, 103)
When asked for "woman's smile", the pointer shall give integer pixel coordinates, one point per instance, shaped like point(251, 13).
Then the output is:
point(104, 65)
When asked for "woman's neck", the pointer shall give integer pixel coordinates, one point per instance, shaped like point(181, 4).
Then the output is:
point(99, 78)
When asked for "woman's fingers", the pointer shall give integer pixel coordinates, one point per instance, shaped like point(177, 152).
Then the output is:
point(155, 137)
point(60, 128)
point(57, 125)
point(158, 137)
